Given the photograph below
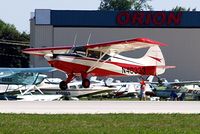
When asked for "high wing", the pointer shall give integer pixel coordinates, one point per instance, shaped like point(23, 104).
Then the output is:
point(47, 50)
point(28, 70)
point(23, 76)
point(124, 45)
point(107, 47)
point(181, 83)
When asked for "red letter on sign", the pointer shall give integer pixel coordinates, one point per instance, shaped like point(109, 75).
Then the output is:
point(148, 18)
point(138, 17)
point(159, 18)
point(176, 19)
point(123, 18)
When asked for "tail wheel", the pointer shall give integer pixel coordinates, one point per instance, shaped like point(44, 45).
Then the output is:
point(63, 85)
point(86, 83)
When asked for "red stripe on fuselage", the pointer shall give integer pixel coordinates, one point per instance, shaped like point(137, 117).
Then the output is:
point(70, 67)
point(142, 70)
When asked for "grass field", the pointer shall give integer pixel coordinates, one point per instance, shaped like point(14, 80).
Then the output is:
point(101, 124)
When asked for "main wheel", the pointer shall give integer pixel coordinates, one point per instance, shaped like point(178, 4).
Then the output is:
point(86, 83)
point(63, 85)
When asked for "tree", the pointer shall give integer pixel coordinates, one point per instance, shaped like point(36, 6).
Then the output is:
point(179, 8)
point(115, 5)
point(9, 32)
point(125, 5)
point(11, 53)
point(141, 5)
point(24, 37)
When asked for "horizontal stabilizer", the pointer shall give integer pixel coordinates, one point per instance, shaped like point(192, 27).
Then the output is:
point(166, 67)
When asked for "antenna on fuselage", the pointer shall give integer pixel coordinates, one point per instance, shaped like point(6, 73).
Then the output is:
point(88, 39)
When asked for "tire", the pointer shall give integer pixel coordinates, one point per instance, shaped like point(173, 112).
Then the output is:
point(63, 85)
point(86, 83)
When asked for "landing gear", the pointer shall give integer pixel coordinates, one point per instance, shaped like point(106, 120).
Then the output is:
point(63, 85)
point(86, 83)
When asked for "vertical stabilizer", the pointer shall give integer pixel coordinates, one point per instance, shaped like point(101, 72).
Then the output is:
point(154, 57)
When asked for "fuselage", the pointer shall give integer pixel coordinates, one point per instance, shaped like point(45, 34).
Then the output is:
point(112, 66)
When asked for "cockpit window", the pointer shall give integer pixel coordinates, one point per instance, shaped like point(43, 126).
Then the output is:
point(97, 55)
point(72, 87)
point(82, 51)
point(106, 57)
point(93, 54)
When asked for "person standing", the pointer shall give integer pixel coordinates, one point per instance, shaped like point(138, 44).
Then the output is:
point(142, 90)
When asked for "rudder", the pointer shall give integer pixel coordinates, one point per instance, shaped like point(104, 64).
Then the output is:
point(154, 57)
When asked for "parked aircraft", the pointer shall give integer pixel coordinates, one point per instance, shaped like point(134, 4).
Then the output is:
point(31, 84)
point(127, 89)
point(176, 83)
point(20, 83)
point(75, 88)
point(104, 60)
point(165, 89)
point(19, 79)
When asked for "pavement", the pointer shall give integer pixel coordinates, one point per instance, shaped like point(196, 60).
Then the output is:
point(99, 107)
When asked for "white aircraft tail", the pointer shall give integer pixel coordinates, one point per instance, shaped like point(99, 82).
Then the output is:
point(176, 80)
point(150, 78)
point(154, 57)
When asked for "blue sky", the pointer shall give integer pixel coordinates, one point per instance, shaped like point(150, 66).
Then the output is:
point(18, 12)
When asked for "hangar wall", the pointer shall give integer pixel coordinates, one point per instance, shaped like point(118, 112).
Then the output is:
point(182, 50)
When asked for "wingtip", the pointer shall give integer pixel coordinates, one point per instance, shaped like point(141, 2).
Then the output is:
point(147, 40)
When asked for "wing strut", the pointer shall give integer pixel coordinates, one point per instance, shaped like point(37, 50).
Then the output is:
point(98, 61)
point(74, 46)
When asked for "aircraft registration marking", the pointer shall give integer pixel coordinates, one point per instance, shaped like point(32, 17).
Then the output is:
point(132, 70)
point(63, 92)
point(193, 91)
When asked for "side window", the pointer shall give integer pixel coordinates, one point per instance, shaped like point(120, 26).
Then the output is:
point(93, 54)
point(72, 87)
point(105, 57)
point(80, 86)
point(80, 50)
point(97, 55)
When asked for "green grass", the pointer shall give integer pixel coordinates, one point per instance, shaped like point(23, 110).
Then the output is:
point(100, 124)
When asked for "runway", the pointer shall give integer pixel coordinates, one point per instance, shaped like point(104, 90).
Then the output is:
point(99, 107)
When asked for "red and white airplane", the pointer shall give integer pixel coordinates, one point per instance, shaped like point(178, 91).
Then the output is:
point(103, 59)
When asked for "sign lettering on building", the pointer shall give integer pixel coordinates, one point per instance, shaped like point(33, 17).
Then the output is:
point(149, 18)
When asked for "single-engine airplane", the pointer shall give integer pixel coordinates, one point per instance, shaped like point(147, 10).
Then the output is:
point(103, 59)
